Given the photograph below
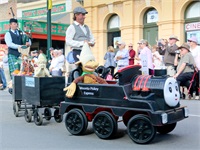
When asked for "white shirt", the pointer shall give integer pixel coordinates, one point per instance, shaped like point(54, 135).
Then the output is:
point(54, 64)
point(61, 60)
point(70, 32)
point(196, 54)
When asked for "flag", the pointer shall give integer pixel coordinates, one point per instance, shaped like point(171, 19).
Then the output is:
point(49, 4)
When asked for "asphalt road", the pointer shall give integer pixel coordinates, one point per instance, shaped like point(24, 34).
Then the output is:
point(17, 134)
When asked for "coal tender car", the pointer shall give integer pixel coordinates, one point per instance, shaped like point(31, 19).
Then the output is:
point(146, 104)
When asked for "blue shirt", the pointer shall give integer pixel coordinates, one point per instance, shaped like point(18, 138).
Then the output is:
point(124, 61)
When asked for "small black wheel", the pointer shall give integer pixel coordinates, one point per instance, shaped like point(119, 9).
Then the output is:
point(47, 113)
point(140, 129)
point(58, 118)
point(104, 125)
point(166, 128)
point(28, 115)
point(76, 122)
point(38, 118)
point(19, 104)
point(16, 109)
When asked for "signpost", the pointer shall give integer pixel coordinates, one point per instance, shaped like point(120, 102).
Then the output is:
point(49, 42)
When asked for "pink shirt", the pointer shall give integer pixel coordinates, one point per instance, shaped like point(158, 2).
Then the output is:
point(146, 52)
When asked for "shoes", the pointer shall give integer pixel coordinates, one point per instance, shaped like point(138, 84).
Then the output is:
point(196, 97)
point(189, 97)
point(3, 88)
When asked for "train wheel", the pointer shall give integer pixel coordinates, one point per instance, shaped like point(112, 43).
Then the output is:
point(16, 109)
point(38, 118)
point(47, 113)
point(166, 128)
point(28, 115)
point(76, 122)
point(58, 118)
point(140, 129)
point(19, 104)
point(104, 125)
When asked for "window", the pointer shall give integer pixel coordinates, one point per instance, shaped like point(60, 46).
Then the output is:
point(114, 22)
point(193, 10)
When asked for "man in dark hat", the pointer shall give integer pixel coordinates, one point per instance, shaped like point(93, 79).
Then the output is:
point(169, 54)
point(78, 33)
point(13, 39)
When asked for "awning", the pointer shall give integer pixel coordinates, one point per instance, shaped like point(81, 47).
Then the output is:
point(58, 18)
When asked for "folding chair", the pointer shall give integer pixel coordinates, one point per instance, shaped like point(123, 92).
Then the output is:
point(191, 85)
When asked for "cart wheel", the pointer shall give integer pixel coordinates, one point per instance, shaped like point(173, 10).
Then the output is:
point(76, 122)
point(19, 104)
point(16, 109)
point(140, 129)
point(38, 118)
point(104, 125)
point(28, 115)
point(47, 113)
point(58, 118)
point(166, 128)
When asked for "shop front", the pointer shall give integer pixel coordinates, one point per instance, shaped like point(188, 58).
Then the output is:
point(37, 30)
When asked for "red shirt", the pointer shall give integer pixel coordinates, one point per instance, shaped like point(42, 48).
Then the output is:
point(132, 55)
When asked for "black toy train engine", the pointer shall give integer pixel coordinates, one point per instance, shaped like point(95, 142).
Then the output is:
point(163, 90)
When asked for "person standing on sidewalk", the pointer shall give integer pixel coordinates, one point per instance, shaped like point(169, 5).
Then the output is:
point(2, 75)
point(195, 51)
point(169, 54)
point(131, 54)
point(5, 66)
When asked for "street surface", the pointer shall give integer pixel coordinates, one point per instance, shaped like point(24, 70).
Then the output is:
point(17, 134)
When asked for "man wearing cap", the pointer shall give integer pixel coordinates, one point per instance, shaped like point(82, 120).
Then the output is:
point(169, 54)
point(195, 50)
point(185, 68)
point(122, 55)
point(13, 39)
point(78, 33)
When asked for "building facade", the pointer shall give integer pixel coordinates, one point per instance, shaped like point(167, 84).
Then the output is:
point(132, 20)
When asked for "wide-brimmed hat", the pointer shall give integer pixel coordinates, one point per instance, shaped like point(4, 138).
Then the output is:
point(78, 10)
point(193, 39)
point(142, 41)
point(13, 20)
point(174, 37)
point(185, 45)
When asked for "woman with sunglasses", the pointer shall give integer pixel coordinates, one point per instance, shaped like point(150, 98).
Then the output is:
point(195, 51)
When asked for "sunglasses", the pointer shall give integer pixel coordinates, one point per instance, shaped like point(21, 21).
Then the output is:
point(130, 46)
point(189, 41)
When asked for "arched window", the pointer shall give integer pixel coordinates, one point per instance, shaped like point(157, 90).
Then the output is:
point(113, 22)
point(113, 28)
point(150, 31)
point(192, 22)
point(193, 11)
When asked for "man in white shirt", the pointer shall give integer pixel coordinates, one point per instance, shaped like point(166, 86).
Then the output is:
point(78, 33)
point(195, 50)
point(14, 40)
